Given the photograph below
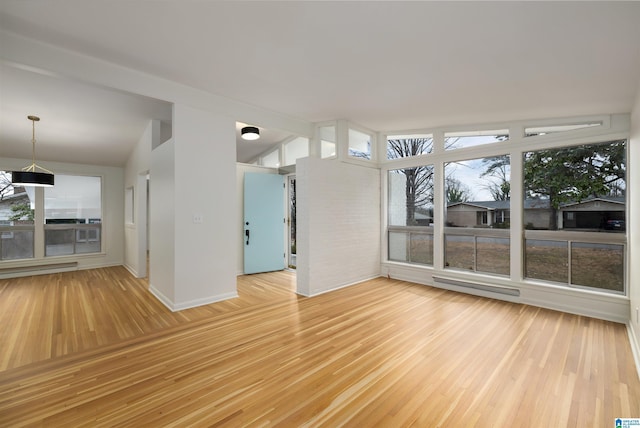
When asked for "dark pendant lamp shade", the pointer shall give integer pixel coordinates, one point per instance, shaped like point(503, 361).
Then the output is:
point(29, 176)
point(250, 133)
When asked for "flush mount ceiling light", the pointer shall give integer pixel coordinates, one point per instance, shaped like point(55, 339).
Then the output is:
point(250, 133)
point(29, 176)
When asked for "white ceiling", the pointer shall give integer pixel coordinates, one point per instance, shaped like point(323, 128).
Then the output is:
point(384, 65)
point(79, 123)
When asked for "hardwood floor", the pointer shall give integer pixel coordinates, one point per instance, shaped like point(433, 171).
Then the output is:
point(48, 316)
point(93, 348)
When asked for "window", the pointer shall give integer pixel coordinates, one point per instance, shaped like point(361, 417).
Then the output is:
point(573, 195)
point(327, 141)
point(72, 212)
point(579, 188)
point(295, 149)
point(533, 131)
point(571, 209)
point(411, 246)
point(359, 144)
point(16, 220)
point(129, 205)
point(402, 146)
point(546, 260)
point(411, 196)
point(598, 265)
point(477, 193)
point(461, 139)
point(272, 160)
point(73, 215)
point(483, 218)
point(410, 215)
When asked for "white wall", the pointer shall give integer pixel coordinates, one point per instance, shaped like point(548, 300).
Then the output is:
point(633, 196)
point(161, 223)
point(338, 217)
point(193, 190)
point(112, 215)
point(135, 233)
point(199, 163)
point(205, 185)
point(241, 168)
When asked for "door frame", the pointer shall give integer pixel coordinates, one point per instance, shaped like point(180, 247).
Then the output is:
point(287, 228)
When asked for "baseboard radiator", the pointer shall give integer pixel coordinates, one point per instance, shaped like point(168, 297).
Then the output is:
point(35, 269)
point(499, 289)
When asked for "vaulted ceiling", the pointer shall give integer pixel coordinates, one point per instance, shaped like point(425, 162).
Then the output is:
point(384, 65)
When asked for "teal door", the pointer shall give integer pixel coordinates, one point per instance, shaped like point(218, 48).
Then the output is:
point(263, 238)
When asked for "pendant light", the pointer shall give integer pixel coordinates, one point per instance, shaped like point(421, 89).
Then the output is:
point(29, 176)
point(250, 133)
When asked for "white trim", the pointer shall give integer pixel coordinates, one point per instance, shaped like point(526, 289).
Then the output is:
point(614, 127)
point(204, 301)
point(373, 150)
point(590, 303)
point(339, 286)
point(315, 149)
point(603, 120)
point(131, 270)
point(577, 303)
point(635, 346)
point(57, 270)
point(163, 299)
point(175, 307)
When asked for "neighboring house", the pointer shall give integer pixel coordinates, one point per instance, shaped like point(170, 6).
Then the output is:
point(10, 200)
point(478, 213)
point(14, 245)
point(593, 213)
point(424, 217)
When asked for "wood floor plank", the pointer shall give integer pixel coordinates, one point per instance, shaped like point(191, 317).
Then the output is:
point(93, 348)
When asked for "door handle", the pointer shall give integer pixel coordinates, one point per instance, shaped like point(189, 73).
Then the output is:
point(246, 232)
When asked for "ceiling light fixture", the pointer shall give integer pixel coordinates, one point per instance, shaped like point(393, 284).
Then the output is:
point(250, 133)
point(29, 176)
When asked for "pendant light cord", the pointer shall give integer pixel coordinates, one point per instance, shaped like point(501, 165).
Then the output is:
point(33, 166)
point(33, 143)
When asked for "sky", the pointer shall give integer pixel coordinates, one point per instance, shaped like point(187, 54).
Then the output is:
point(468, 172)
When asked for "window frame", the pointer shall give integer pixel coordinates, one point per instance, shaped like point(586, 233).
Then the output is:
point(373, 149)
point(614, 127)
point(39, 220)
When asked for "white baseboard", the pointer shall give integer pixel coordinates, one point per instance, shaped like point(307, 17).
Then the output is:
point(339, 286)
point(590, 303)
point(204, 301)
point(635, 345)
point(175, 307)
point(163, 299)
point(131, 270)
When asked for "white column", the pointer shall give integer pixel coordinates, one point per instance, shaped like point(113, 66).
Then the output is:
point(197, 201)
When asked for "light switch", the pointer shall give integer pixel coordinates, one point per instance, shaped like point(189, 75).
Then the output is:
point(197, 218)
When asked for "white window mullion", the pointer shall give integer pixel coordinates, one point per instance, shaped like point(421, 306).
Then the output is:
point(38, 232)
point(516, 217)
point(438, 216)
